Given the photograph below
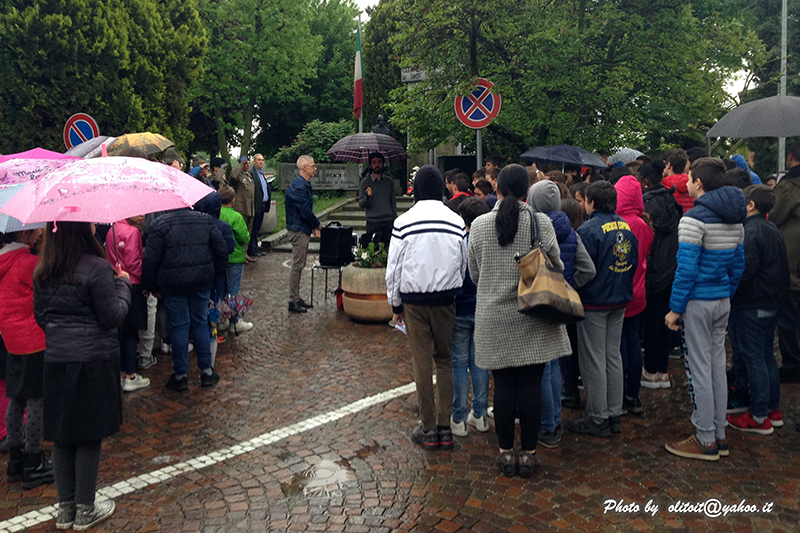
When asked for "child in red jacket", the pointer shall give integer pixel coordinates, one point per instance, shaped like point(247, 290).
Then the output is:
point(25, 342)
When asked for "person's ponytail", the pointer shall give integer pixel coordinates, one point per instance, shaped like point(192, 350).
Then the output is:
point(513, 185)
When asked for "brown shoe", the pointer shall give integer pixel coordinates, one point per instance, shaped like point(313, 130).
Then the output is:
point(692, 449)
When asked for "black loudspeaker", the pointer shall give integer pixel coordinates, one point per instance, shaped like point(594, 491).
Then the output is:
point(335, 244)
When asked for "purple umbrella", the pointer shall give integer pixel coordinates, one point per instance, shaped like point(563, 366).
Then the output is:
point(356, 148)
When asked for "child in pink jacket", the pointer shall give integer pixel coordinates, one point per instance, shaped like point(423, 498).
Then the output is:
point(630, 207)
point(125, 252)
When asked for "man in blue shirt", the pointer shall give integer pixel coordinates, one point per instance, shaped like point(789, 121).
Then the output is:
point(300, 223)
point(261, 204)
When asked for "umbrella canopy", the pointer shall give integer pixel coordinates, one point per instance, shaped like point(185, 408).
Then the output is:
point(563, 154)
point(149, 143)
point(776, 116)
point(104, 190)
point(90, 148)
point(24, 170)
point(356, 148)
point(624, 155)
point(37, 153)
point(10, 224)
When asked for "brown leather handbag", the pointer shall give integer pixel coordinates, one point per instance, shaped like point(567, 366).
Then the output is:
point(543, 291)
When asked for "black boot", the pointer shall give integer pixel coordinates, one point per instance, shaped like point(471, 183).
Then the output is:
point(15, 465)
point(38, 471)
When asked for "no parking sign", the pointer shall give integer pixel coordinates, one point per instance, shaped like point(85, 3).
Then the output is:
point(479, 107)
point(79, 128)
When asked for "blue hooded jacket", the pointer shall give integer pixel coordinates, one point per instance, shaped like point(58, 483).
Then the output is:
point(711, 248)
point(741, 163)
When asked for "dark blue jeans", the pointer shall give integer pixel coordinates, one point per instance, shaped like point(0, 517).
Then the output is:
point(752, 333)
point(258, 220)
point(631, 350)
point(189, 313)
point(569, 363)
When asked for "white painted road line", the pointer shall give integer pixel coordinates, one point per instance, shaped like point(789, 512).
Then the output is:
point(40, 516)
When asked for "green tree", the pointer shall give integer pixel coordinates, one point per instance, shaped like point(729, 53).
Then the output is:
point(255, 47)
point(315, 139)
point(328, 95)
point(381, 63)
point(765, 19)
point(121, 61)
point(596, 74)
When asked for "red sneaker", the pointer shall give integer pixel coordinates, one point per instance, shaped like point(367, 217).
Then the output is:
point(776, 418)
point(745, 422)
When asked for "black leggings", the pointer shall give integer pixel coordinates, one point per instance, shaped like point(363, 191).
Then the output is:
point(75, 467)
point(518, 392)
point(25, 432)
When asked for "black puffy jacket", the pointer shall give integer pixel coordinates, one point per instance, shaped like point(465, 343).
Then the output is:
point(184, 252)
point(665, 214)
point(80, 321)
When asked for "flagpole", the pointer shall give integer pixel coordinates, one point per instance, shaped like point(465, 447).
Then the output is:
point(360, 115)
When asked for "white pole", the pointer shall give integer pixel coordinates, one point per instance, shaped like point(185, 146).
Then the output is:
point(361, 115)
point(479, 148)
point(782, 140)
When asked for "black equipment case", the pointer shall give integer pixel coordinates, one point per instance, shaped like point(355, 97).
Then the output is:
point(335, 244)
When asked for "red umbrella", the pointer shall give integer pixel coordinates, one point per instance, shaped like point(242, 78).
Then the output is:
point(356, 148)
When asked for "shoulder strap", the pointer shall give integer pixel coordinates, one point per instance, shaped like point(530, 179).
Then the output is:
point(536, 238)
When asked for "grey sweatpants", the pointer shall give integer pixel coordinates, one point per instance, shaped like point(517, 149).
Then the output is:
point(601, 363)
point(705, 323)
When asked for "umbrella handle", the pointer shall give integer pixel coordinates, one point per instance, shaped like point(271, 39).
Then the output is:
point(116, 250)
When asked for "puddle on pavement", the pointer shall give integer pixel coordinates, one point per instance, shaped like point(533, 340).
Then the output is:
point(316, 480)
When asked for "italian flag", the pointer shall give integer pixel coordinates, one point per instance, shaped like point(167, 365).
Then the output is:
point(358, 87)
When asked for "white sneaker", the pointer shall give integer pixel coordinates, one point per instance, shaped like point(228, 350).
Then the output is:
point(242, 326)
point(663, 380)
point(135, 383)
point(191, 348)
point(166, 348)
point(651, 381)
point(223, 325)
point(459, 429)
point(481, 424)
point(490, 412)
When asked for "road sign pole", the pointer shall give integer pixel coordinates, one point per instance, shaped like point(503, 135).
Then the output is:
point(479, 148)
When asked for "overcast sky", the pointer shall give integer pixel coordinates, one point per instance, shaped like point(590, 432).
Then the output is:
point(363, 4)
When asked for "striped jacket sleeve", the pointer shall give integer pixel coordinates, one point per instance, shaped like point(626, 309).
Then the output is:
point(690, 237)
point(394, 270)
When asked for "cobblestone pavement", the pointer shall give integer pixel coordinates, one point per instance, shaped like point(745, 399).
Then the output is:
point(358, 470)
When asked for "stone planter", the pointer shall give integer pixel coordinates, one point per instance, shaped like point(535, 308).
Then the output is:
point(364, 294)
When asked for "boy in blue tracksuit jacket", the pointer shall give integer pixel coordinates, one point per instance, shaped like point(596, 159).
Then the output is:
point(615, 251)
point(710, 265)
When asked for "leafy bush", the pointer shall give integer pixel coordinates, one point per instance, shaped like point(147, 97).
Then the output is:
point(316, 138)
point(370, 257)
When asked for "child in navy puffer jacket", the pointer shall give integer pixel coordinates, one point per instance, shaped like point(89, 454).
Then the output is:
point(545, 197)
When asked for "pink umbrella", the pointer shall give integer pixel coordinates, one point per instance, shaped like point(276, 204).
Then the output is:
point(104, 190)
point(14, 171)
point(37, 153)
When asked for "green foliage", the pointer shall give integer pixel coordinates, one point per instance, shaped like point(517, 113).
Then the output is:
point(597, 74)
point(371, 257)
point(315, 139)
point(381, 67)
point(765, 19)
point(255, 47)
point(128, 63)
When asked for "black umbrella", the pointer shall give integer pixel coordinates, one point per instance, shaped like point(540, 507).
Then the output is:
point(776, 116)
point(563, 154)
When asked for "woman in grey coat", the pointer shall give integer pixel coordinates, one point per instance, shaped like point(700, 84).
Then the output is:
point(514, 346)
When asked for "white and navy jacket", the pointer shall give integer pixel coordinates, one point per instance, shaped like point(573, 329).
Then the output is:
point(427, 256)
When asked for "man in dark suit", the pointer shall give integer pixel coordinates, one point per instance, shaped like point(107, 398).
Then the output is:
point(261, 201)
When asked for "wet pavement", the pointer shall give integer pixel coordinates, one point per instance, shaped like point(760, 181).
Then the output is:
point(308, 430)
